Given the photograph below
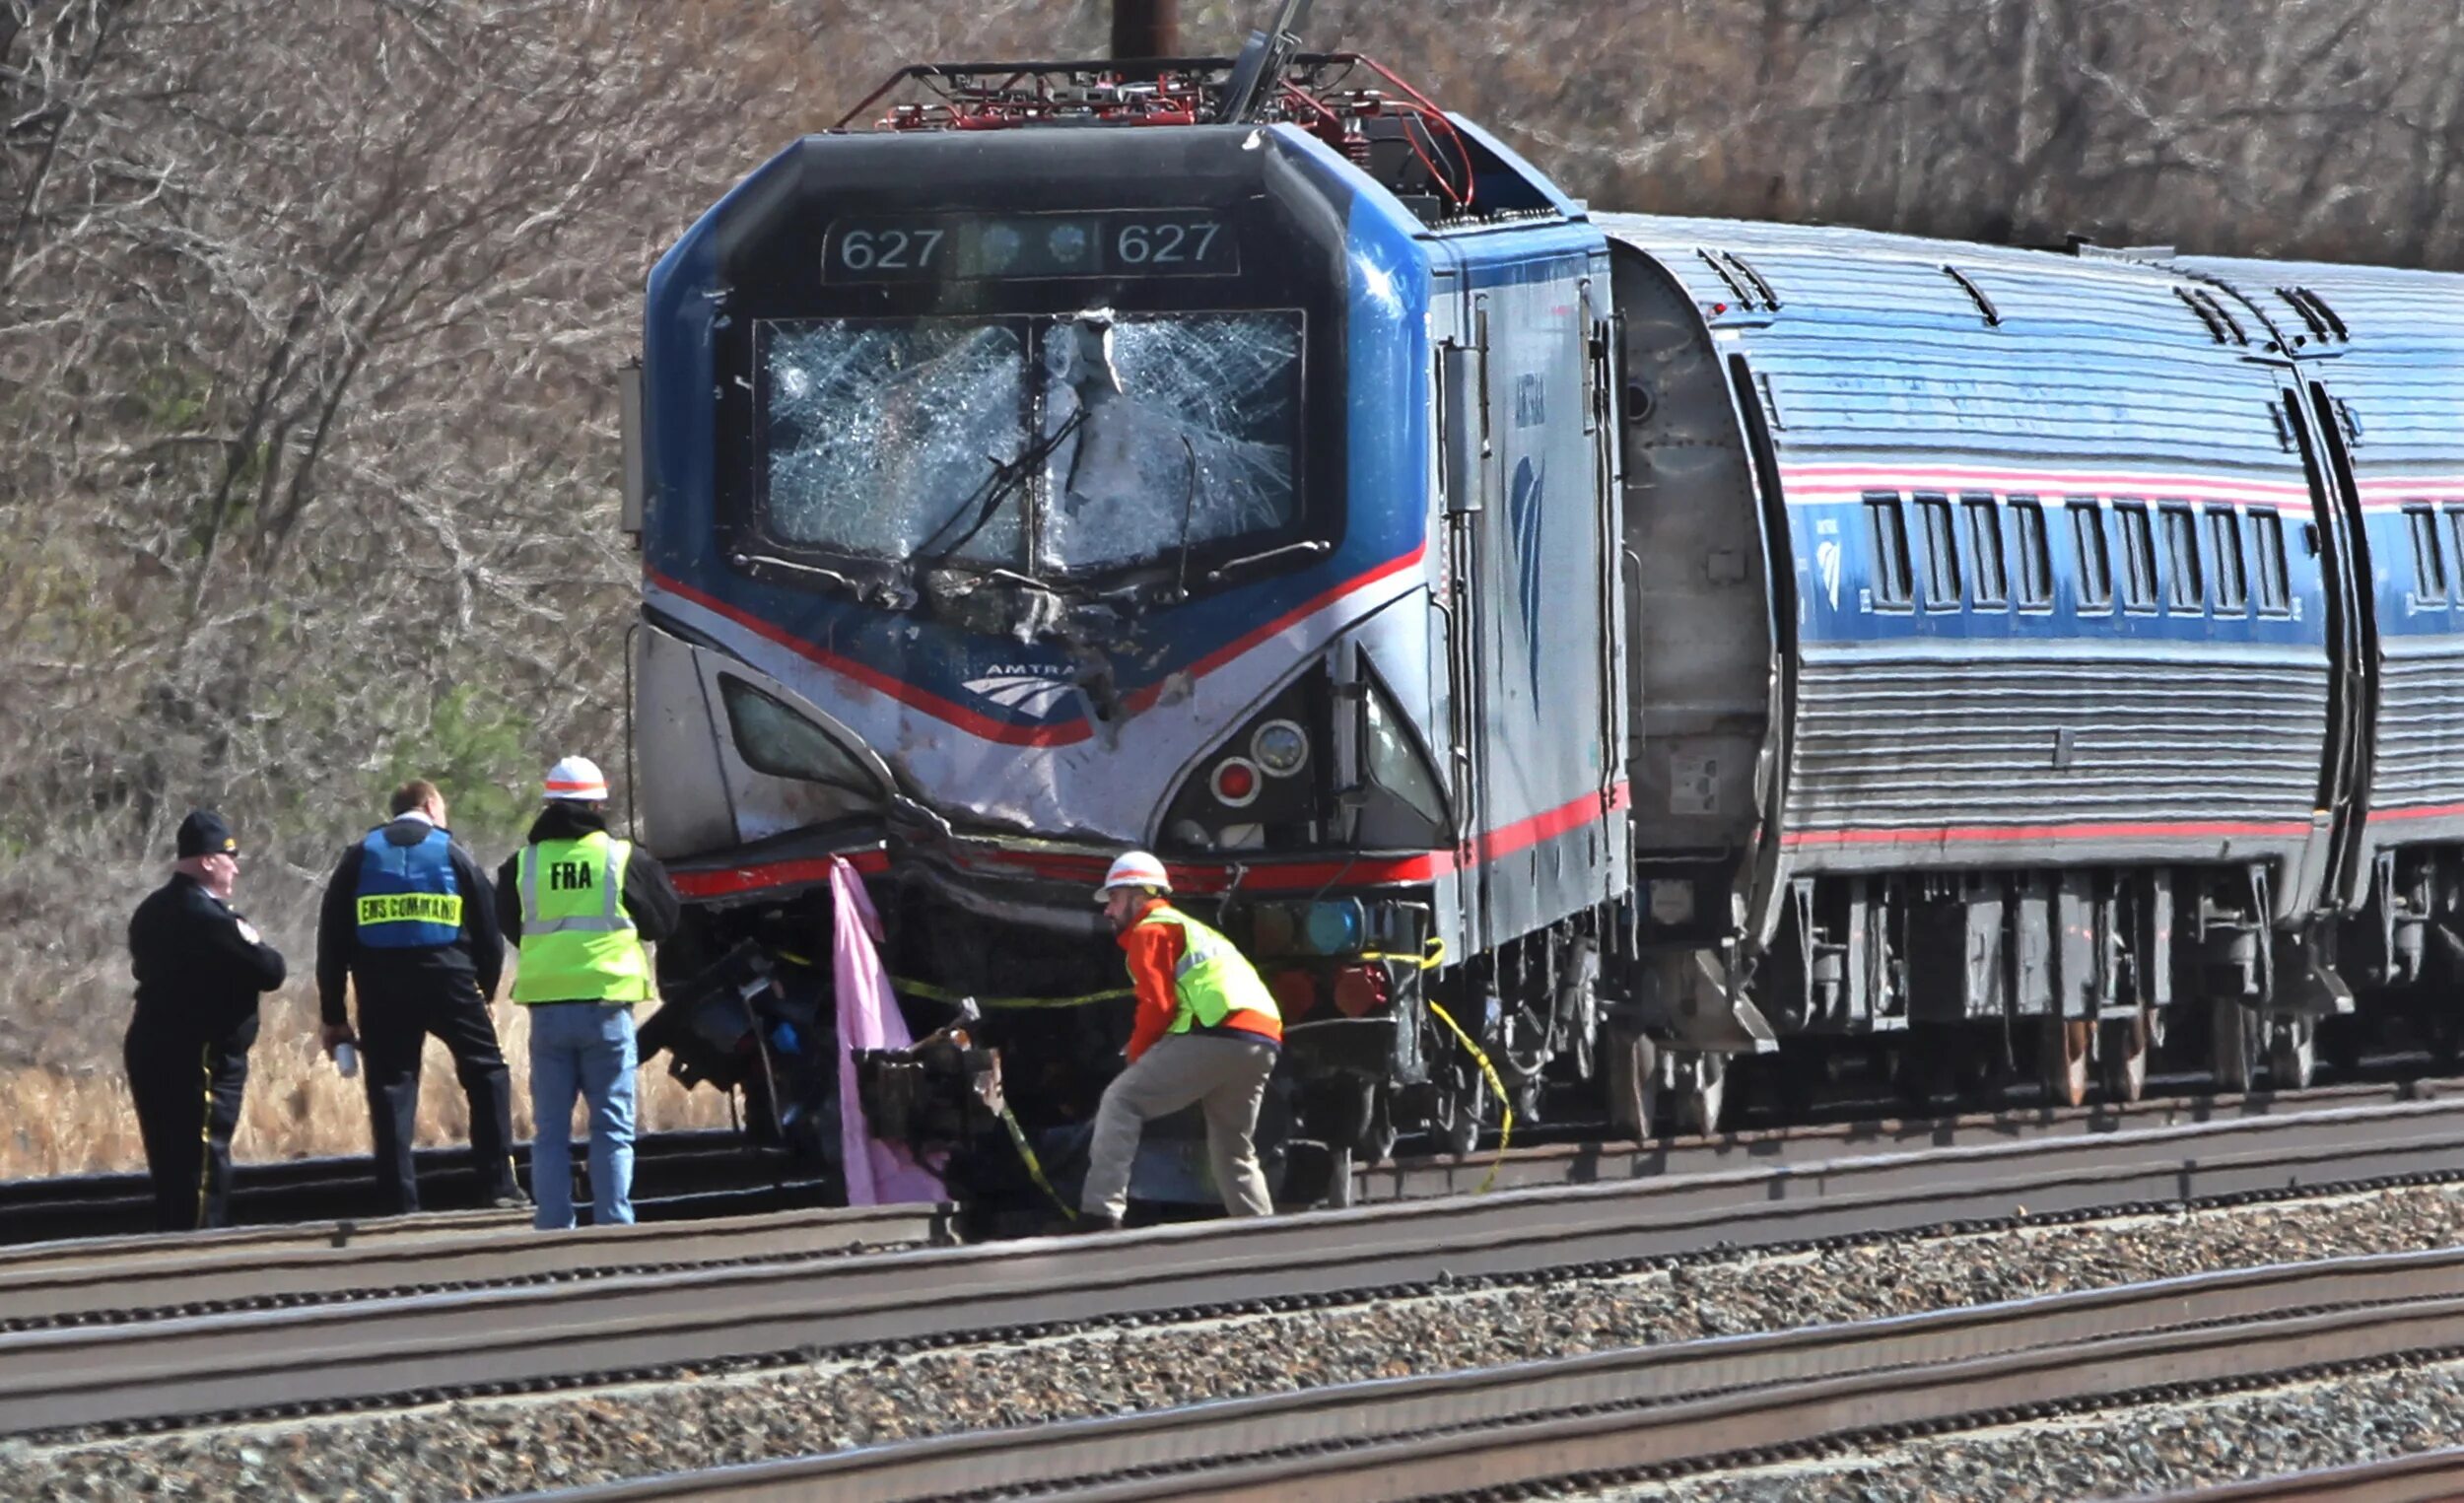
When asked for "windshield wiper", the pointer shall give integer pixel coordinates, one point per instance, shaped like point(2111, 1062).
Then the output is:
point(1006, 481)
point(1188, 506)
point(1313, 549)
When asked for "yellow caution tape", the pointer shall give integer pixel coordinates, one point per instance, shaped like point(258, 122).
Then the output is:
point(1505, 1104)
point(1428, 960)
point(1035, 1166)
point(931, 993)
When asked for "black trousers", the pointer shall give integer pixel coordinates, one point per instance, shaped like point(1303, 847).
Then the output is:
point(187, 1092)
point(397, 1013)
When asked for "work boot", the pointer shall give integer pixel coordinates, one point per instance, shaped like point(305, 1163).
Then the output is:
point(1090, 1221)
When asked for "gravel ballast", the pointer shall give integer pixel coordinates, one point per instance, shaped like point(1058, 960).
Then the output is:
point(2122, 1453)
point(488, 1446)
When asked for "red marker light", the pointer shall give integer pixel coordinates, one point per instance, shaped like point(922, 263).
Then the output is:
point(1236, 782)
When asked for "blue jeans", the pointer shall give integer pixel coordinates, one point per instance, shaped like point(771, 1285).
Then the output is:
point(586, 1048)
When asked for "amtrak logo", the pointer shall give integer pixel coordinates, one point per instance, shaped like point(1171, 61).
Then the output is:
point(1025, 689)
point(1523, 511)
point(1826, 563)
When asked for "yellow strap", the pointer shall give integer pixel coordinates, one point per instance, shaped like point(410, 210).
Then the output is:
point(1505, 1130)
point(931, 993)
point(1035, 1166)
point(1428, 960)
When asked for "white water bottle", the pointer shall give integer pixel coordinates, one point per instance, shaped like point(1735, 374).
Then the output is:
point(346, 1060)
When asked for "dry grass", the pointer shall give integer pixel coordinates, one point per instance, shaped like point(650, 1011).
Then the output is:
point(297, 1107)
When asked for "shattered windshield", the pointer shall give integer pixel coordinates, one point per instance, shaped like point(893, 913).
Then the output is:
point(1144, 434)
point(874, 432)
point(1189, 434)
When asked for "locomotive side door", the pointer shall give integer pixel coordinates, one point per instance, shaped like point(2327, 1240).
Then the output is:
point(1464, 444)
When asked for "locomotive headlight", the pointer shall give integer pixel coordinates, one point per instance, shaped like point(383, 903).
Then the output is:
point(1281, 748)
point(1236, 782)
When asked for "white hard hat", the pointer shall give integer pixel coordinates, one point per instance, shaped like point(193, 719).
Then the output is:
point(1134, 869)
point(577, 780)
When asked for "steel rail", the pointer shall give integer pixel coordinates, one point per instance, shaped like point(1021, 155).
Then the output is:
point(1689, 1404)
point(131, 1276)
point(329, 1189)
point(2418, 1478)
point(1587, 1163)
point(369, 1348)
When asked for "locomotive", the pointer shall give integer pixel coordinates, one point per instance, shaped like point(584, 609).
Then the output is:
point(1568, 651)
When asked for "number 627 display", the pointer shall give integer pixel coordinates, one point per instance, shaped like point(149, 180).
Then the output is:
point(1141, 242)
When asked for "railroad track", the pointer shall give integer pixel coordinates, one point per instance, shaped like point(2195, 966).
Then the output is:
point(1650, 1413)
point(1587, 1163)
point(674, 1174)
point(2420, 1478)
point(476, 1340)
point(133, 1279)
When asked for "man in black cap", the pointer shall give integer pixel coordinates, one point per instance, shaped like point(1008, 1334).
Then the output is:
point(200, 967)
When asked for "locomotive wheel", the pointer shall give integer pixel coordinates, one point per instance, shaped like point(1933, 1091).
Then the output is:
point(1461, 1131)
point(1633, 1081)
point(2293, 1054)
point(2229, 1026)
point(1698, 1106)
point(2122, 1054)
point(1376, 1143)
point(1339, 1181)
point(2062, 1061)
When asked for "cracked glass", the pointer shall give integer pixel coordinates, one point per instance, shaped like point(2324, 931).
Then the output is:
point(1186, 431)
point(1140, 433)
point(877, 435)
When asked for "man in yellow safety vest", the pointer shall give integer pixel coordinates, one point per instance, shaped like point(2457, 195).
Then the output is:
point(1206, 1033)
point(579, 904)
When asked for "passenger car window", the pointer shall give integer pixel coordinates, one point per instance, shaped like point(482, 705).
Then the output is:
point(2429, 569)
point(1990, 580)
point(2181, 557)
point(1941, 553)
point(2138, 566)
point(2095, 561)
point(2035, 577)
point(1890, 583)
point(2233, 582)
point(2267, 541)
point(2455, 532)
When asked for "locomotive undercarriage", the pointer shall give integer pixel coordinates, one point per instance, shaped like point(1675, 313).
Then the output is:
point(1950, 986)
point(1365, 991)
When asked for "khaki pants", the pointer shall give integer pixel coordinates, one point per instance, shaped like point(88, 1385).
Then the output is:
point(1226, 1076)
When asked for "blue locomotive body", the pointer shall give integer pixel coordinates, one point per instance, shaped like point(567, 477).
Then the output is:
point(1559, 646)
point(977, 562)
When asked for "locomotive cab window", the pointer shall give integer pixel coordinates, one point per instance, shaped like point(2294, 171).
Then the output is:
point(2267, 543)
point(2188, 590)
point(2429, 569)
point(1988, 577)
point(2036, 573)
point(2232, 584)
point(1889, 538)
point(1941, 553)
point(2139, 563)
point(1057, 445)
point(2095, 558)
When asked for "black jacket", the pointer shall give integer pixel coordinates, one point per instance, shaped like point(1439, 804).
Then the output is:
point(478, 952)
point(650, 898)
point(199, 971)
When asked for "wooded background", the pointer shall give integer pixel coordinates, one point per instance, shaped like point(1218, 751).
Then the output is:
point(310, 308)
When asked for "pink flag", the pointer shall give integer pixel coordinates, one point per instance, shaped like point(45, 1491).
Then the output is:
point(877, 1173)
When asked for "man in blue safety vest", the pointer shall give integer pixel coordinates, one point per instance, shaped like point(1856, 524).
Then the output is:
point(580, 903)
point(410, 919)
